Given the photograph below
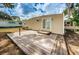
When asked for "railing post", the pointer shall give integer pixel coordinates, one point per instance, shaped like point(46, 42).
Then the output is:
point(19, 31)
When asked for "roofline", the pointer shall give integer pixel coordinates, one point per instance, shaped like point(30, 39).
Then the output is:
point(45, 15)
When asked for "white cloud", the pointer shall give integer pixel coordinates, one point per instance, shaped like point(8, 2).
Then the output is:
point(19, 10)
point(55, 8)
point(1, 9)
point(47, 7)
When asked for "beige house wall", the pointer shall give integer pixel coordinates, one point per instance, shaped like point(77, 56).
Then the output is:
point(57, 25)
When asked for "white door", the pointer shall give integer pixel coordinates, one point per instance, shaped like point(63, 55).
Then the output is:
point(47, 24)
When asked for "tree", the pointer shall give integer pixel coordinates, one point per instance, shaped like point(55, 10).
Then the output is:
point(11, 5)
point(69, 10)
point(72, 10)
point(75, 15)
point(8, 5)
point(4, 16)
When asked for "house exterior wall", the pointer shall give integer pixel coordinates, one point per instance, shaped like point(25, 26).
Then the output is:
point(57, 25)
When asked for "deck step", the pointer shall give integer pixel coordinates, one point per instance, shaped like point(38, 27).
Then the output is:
point(44, 32)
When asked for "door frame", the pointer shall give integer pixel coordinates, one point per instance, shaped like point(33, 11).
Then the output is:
point(43, 24)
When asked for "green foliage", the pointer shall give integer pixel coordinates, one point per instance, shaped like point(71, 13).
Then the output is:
point(75, 18)
point(9, 5)
point(77, 5)
point(5, 16)
point(65, 12)
point(75, 13)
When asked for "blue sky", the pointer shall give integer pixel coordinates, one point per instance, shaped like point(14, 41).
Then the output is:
point(28, 10)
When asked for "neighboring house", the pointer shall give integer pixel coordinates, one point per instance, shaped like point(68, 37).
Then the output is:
point(71, 26)
point(53, 23)
point(9, 24)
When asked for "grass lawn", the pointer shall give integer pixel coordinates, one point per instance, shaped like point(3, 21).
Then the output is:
point(9, 29)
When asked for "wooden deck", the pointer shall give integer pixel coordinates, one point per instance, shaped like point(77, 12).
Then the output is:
point(34, 43)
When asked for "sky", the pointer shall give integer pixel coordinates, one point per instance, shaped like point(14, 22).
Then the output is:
point(29, 10)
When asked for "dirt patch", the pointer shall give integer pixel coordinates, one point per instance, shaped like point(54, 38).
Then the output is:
point(72, 40)
point(7, 47)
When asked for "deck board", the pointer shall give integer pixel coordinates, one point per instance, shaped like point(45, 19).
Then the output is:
point(39, 44)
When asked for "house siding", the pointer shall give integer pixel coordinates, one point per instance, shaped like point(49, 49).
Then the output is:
point(56, 27)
